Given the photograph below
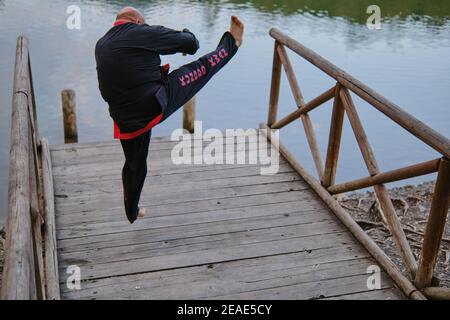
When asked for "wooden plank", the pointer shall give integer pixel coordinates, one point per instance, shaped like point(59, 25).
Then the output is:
point(238, 176)
point(236, 149)
point(152, 186)
point(155, 169)
point(160, 196)
point(156, 151)
point(95, 145)
point(238, 158)
point(310, 290)
point(303, 200)
point(227, 278)
point(51, 259)
point(201, 205)
point(252, 267)
point(232, 176)
point(169, 230)
point(169, 175)
point(290, 227)
point(239, 271)
point(176, 233)
point(100, 144)
point(179, 221)
point(166, 214)
point(212, 255)
point(306, 282)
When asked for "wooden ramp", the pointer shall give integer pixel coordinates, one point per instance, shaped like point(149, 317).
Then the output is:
point(211, 232)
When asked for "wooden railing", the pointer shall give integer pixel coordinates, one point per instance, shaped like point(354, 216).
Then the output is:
point(30, 270)
point(421, 273)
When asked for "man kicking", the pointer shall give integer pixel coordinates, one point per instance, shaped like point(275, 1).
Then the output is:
point(141, 93)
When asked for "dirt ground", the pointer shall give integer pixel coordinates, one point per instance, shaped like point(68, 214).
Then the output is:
point(412, 204)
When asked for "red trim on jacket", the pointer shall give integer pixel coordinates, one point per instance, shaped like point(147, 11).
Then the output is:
point(134, 134)
point(119, 22)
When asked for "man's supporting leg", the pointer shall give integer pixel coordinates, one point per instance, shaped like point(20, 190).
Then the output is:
point(134, 172)
point(189, 79)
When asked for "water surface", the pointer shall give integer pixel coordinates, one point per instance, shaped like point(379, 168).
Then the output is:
point(407, 61)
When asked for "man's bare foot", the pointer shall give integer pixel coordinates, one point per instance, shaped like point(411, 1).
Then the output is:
point(237, 30)
point(141, 213)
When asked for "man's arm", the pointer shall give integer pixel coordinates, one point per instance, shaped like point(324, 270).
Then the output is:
point(169, 41)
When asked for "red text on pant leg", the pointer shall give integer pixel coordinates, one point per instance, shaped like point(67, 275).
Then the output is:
point(193, 76)
point(212, 62)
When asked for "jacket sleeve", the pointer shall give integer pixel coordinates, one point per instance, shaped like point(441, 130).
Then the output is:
point(169, 41)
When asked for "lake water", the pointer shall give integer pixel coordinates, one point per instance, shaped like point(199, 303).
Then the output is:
point(407, 61)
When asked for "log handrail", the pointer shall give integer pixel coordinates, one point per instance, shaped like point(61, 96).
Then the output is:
point(421, 274)
point(428, 135)
point(24, 276)
point(19, 281)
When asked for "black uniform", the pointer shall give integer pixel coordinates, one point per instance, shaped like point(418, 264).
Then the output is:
point(140, 93)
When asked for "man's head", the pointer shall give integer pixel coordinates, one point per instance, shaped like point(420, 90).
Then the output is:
point(131, 14)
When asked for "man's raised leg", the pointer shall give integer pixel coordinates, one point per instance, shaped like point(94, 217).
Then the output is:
point(189, 79)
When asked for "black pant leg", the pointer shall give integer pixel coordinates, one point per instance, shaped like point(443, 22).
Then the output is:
point(184, 82)
point(134, 172)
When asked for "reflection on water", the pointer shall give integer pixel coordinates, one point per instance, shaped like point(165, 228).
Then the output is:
point(407, 60)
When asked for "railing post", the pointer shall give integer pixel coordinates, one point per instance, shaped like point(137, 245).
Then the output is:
point(435, 226)
point(189, 115)
point(388, 210)
point(69, 116)
point(300, 102)
point(334, 141)
point(275, 86)
point(19, 281)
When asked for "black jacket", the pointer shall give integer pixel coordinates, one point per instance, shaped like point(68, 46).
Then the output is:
point(129, 71)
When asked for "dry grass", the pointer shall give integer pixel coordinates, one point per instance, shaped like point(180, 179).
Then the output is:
point(412, 204)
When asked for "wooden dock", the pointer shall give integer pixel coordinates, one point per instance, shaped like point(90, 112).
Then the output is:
point(213, 231)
